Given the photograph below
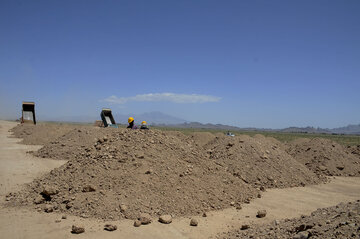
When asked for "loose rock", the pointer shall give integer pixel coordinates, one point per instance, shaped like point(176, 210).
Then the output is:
point(77, 230)
point(193, 222)
point(166, 219)
point(261, 213)
point(110, 227)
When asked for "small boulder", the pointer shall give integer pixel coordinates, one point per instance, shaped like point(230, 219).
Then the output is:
point(261, 213)
point(77, 230)
point(49, 191)
point(244, 227)
point(144, 218)
point(137, 223)
point(166, 219)
point(194, 222)
point(110, 227)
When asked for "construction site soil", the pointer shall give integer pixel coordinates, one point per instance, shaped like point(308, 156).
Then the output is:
point(325, 157)
point(120, 173)
point(341, 221)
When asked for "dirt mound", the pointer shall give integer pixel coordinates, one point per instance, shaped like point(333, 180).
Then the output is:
point(259, 161)
point(202, 138)
point(324, 157)
point(41, 133)
point(341, 221)
point(126, 172)
point(354, 150)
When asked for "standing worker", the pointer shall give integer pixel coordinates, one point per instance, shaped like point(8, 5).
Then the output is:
point(131, 123)
point(144, 125)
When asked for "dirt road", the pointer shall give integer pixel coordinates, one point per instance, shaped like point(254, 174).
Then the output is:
point(17, 168)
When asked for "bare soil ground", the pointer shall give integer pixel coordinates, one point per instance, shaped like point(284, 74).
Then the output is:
point(95, 155)
point(157, 172)
point(340, 221)
point(325, 157)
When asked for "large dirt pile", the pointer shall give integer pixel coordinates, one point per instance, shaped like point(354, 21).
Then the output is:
point(126, 172)
point(259, 161)
point(324, 157)
point(40, 134)
point(341, 221)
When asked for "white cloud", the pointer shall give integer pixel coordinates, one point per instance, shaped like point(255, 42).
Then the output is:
point(165, 97)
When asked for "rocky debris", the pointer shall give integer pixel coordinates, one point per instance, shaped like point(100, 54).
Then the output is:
point(48, 208)
point(145, 218)
point(194, 222)
point(89, 188)
point(77, 229)
point(123, 208)
point(137, 223)
point(49, 191)
point(325, 157)
point(110, 227)
point(57, 221)
point(302, 235)
point(39, 199)
point(63, 217)
point(340, 221)
point(261, 214)
point(166, 219)
point(244, 227)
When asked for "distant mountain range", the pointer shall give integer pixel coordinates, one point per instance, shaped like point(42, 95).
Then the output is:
point(164, 120)
point(350, 129)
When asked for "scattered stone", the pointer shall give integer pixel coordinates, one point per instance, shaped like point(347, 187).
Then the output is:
point(57, 220)
point(63, 217)
point(244, 227)
point(49, 191)
point(110, 227)
point(123, 208)
point(204, 214)
point(39, 199)
point(48, 208)
point(137, 223)
point(166, 219)
point(194, 222)
point(261, 213)
point(302, 235)
point(145, 218)
point(89, 188)
point(77, 230)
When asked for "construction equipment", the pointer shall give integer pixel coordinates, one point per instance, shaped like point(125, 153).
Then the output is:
point(230, 134)
point(108, 118)
point(28, 112)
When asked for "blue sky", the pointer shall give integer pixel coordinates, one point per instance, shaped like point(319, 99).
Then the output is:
point(245, 63)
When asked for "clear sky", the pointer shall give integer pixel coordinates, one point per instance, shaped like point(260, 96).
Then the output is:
point(245, 63)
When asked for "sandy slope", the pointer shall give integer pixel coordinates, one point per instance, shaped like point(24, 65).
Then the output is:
point(17, 167)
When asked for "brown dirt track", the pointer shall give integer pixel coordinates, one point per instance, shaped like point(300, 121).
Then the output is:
point(156, 162)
